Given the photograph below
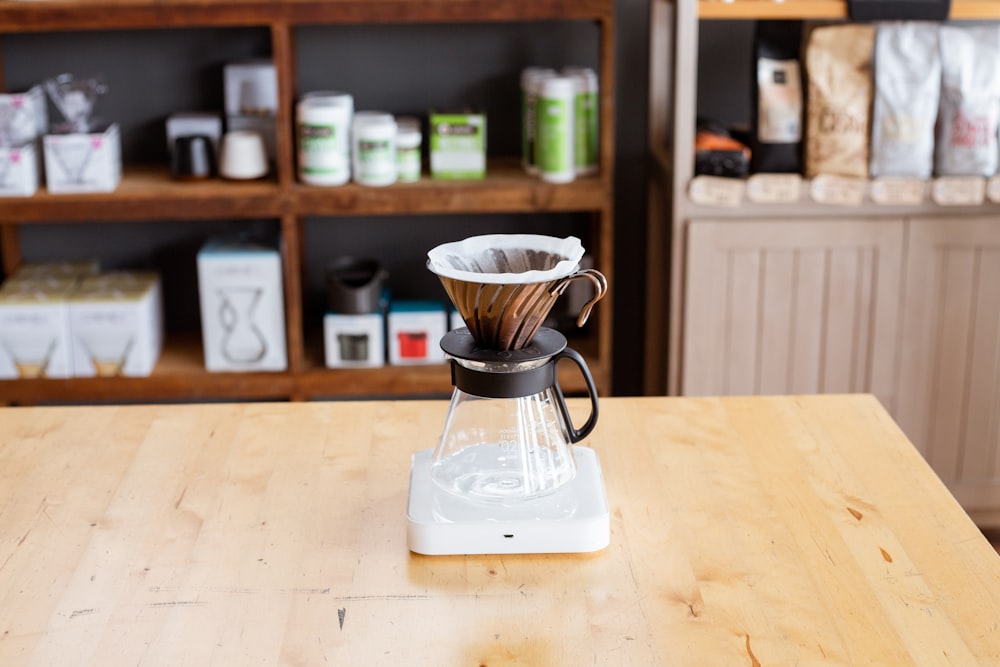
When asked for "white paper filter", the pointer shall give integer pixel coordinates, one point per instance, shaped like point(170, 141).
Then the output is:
point(507, 259)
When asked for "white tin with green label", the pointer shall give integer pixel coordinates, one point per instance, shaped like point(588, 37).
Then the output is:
point(323, 122)
point(587, 118)
point(374, 148)
point(554, 127)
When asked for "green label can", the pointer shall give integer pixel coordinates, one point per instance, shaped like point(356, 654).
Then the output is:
point(554, 125)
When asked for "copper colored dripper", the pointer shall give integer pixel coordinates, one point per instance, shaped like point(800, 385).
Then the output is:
point(507, 317)
point(504, 309)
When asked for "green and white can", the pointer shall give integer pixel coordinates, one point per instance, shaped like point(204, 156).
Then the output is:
point(554, 126)
point(530, 80)
point(408, 154)
point(587, 112)
point(374, 144)
point(323, 123)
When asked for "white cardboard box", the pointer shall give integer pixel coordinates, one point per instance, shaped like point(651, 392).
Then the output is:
point(20, 168)
point(242, 306)
point(250, 88)
point(194, 123)
point(34, 329)
point(457, 145)
point(415, 329)
point(83, 162)
point(354, 341)
point(26, 115)
point(56, 269)
point(116, 325)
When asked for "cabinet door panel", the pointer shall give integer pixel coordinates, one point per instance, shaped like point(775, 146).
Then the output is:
point(797, 306)
point(950, 375)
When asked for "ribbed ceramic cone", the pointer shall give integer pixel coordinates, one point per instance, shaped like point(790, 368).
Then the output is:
point(507, 317)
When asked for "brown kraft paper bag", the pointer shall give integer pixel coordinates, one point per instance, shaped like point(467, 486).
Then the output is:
point(839, 67)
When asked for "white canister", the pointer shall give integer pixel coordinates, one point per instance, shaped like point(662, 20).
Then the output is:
point(554, 142)
point(408, 156)
point(374, 140)
point(530, 78)
point(587, 118)
point(323, 122)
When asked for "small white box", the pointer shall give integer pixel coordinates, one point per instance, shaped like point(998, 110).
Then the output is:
point(457, 145)
point(83, 162)
point(262, 125)
point(20, 168)
point(116, 324)
point(192, 124)
point(57, 270)
point(251, 88)
point(34, 329)
point(242, 306)
point(25, 115)
point(415, 329)
point(354, 341)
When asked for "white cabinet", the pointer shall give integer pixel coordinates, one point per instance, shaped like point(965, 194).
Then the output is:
point(949, 380)
point(901, 300)
point(791, 307)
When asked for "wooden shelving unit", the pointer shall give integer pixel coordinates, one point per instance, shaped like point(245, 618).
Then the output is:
point(810, 297)
point(148, 194)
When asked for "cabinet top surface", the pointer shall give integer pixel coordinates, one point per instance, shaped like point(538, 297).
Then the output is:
point(756, 530)
point(821, 9)
point(18, 15)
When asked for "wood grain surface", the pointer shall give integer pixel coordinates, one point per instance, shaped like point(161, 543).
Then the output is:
point(745, 531)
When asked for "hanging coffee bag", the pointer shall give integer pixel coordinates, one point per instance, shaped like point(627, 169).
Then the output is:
point(777, 105)
point(970, 101)
point(838, 64)
point(907, 87)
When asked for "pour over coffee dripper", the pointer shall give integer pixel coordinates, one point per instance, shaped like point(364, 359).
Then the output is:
point(506, 476)
point(509, 435)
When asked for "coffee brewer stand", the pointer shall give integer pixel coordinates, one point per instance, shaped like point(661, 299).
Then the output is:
point(507, 475)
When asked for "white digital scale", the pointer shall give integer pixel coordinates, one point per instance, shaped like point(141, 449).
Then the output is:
point(572, 519)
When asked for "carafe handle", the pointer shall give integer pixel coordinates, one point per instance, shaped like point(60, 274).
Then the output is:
point(576, 435)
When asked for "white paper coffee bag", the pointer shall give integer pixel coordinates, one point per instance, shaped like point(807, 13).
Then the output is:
point(970, 101)
point(907, 87)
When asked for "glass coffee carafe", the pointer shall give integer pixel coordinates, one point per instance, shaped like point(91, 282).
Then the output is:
point(508, 433)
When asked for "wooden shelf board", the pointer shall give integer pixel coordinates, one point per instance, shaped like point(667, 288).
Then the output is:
point(19, 16)
point(821, 9)
point(149, 193)
point(806, 207)
point(317, 381)
point(179, 374)
point(505, 189)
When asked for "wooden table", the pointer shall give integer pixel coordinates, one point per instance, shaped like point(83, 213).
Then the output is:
point(745, 531)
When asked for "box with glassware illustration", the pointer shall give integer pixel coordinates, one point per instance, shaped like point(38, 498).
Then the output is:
point(78, 162)
point(242, 305)
point(82, 153)
point(34, 328)
point(23, 119)
point(116, 324)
